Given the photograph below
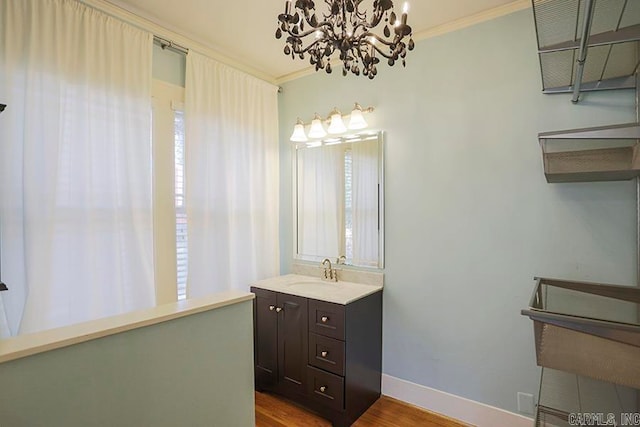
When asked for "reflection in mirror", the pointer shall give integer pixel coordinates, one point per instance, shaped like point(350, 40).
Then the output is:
point(338, 200)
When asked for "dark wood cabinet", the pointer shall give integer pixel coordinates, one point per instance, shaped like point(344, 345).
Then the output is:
point(265, 339)
point(324, 356)
point(280, 342)
point(292, 343)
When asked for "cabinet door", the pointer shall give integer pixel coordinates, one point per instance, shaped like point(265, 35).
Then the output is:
point(265, 329)
point(292, 343)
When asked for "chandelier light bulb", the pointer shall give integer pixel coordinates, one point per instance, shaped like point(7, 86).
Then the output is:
point(337, 125)
point(298, 134)
point(317, 130)
point(405, 7)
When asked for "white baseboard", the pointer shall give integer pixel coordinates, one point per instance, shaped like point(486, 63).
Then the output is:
point(468, 411)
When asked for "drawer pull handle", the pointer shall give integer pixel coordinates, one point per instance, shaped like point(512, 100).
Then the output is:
point(324, 353)
point(324, 319)
point(272, 307)
point(278, 309)
point(323, 389)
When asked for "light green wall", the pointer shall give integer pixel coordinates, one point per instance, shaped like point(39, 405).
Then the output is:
point(168, 66)
point(193, 371)
point(470, 219)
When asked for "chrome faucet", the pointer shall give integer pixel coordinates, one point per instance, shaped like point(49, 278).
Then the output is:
point(329, 274)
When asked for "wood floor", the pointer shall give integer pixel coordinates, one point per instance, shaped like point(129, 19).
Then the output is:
point(272, 411)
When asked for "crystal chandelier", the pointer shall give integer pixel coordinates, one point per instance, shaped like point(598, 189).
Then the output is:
point(345, 29)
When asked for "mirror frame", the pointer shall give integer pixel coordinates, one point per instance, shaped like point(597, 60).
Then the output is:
point(381, 190)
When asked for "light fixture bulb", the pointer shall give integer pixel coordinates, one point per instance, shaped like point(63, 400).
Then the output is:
point(405, 7)
point(298, 134)
point(357, 121)
point(337, 125)
point(316, 130)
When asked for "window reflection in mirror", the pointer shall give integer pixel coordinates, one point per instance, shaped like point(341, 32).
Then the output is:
point(338, 200)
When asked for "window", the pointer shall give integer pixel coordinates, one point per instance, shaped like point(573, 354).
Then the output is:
point(181, 213)
point(170, 232)
point(348, 202)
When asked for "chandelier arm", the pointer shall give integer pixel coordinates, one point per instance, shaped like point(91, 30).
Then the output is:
point(362, 25)
point(378, 39)
point(382, 52)
point(313, 30)
point(376, 49)
point(361, 15)
point(366, 42)
point(305, 50)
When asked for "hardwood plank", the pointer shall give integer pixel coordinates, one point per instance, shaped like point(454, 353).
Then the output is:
point(272, 411)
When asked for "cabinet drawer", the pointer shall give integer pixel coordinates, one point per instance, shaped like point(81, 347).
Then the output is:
point(326, 353)
point(326, 319)
point(325, 388)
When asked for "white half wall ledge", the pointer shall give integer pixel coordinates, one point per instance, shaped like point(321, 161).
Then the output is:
point(450, 405)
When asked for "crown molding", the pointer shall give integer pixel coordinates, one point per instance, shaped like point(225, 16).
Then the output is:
point(449, 27)
point(469, 21)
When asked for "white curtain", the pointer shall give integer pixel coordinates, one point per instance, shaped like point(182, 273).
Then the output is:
point(320, 204)
point(232, 177)
point(365, 203)
point(75, 164)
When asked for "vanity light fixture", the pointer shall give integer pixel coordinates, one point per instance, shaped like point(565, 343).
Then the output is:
point(336, 124)
point(317, 130)
point(357, 121)
point(298, 134)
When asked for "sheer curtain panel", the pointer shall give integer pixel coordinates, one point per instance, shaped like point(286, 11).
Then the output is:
point(231, 177)
point(320, 201)
point(366, 246)
point(75, 164)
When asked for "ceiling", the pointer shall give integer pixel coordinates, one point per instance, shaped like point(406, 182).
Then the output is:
point(244, 29)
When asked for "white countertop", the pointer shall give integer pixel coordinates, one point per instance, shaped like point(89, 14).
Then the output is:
point(312, 287)
point(39, 342)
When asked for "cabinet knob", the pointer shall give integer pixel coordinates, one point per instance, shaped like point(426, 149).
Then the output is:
point(323, 389)
point(272, 307)
point(324, 353)
point(324, 319)
point(278, 309)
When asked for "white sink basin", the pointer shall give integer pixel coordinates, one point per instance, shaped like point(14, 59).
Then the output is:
point(340, 292)
point(313, 286)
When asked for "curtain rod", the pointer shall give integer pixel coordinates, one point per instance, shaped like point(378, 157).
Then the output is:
point(168, 44)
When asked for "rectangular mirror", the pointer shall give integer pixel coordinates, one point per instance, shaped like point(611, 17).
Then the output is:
point(338, 200)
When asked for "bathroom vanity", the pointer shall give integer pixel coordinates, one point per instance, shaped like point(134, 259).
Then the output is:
point(319, 344)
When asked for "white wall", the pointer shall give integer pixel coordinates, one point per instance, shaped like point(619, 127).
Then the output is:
point(470, 219)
